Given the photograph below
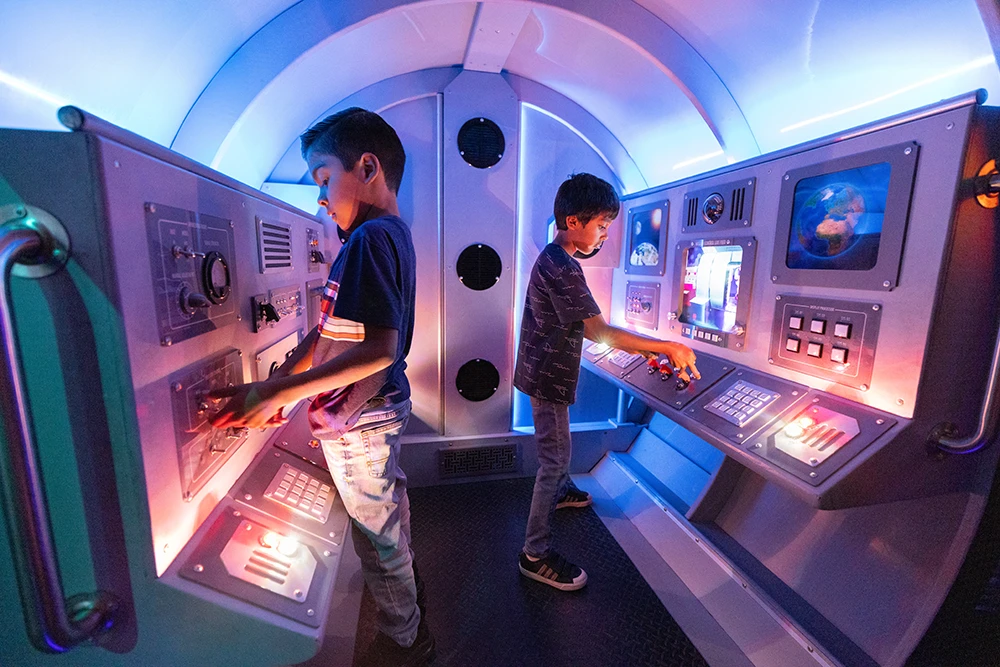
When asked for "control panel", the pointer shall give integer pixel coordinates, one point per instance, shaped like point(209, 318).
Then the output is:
point(191, 258)
point(269, 309)
point(202, 449)
point(826, 338)
point(270, 358)
point(642, 303)
point(724, 206)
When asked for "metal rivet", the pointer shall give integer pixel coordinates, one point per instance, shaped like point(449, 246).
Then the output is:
point(949, 126)
point(199, 568)
point(750, 182)
point(786, 177)
point(277, 455)
point(333, 534)
point(899, 401)
point(875, 307)
point(151, 208)
point(310, 612)
point(757, 445)
point(20, 212)
point(886, 284)
point(812, 474)
point(327, 553)
point(739, 435)
point(879, 421)
point(774, 277)
point(297, 593)
point(795, 393)
point(249, 527)
point(864, 387)
point(815, 400)
point(237, 513)
point(177, 386)
point(117, 164)
point(907, 151)
point(247, 496)
point(770, 361)
point(167, 341)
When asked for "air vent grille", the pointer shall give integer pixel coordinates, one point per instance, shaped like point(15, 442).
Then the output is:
point(488, 460)
point(692, 212)
point(274, 242)
point(736, 203)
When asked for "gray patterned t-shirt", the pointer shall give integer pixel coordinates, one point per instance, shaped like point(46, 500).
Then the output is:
point(556, 304)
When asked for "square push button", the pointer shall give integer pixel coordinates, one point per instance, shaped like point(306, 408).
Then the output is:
point(795, 322)
point(817, 326)
point(792, 345)
point(838, 355)
point(842, 330)
point(815, 350)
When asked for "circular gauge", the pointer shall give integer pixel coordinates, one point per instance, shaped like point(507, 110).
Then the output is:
point(215, 277)
point(713, 207)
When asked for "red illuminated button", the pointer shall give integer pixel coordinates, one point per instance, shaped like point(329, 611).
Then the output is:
point(838, 355)
point(815, 350)
point(792, 345)
point(817, 326)
point(842, 330)
point(795, 322)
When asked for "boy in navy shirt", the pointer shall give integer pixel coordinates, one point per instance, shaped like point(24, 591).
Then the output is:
point(558, 312)
point(353, 363)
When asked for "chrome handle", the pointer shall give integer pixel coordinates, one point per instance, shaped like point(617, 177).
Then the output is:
point(944, 435)
point(55, 624)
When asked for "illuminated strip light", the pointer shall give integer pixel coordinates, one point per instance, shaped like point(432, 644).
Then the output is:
point(978, 62)
point(700, 158)
point(28, 89)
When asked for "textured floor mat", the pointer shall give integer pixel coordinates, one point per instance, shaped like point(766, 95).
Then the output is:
point(483, 613)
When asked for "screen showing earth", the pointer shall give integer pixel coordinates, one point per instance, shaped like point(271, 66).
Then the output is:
point(644, 244)
point(837, 219)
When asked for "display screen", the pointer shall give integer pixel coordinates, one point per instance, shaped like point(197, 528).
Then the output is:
point(711, 286)
point(837, 219)
point(644, 236)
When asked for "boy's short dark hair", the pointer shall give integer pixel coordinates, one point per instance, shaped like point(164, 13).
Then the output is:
point(586, 196)
point(350, 133)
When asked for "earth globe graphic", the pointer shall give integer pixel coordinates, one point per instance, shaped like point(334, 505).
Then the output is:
point(825, 224)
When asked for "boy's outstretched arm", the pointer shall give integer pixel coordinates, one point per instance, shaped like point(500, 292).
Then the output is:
point(682, 356)
point(253, 405)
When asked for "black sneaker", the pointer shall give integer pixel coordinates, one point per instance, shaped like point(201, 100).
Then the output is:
point(385, 652)
point(574, 497)
point(553, 570)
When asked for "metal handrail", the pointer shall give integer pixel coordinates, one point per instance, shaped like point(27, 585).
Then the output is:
point(944, 434)
point(51, 628)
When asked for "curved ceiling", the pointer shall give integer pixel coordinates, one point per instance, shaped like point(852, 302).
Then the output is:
point(684, 87)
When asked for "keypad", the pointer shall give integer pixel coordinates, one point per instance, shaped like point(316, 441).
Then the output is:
point(741, 402)
point(301, 492)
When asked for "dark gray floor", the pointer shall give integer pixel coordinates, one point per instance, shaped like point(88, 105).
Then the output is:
point(482, 612)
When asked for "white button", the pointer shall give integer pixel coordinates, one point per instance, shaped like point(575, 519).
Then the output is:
point(795, 322)
point(815, 350)
point(838, 355)
point(817, 326)
point(841, 330)
point(792, 345)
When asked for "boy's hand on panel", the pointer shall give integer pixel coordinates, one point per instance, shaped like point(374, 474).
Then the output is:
point(250, 405)
point(683, 358)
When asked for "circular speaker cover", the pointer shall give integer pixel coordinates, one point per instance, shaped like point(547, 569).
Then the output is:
point(477, 380)
point(481, 142)
point(479, 267)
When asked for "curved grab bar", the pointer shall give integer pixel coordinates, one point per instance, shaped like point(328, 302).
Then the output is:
point(944, 434)
point(51, 628)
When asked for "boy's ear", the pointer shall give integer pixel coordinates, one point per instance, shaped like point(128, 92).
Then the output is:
point(370, 167)
point(572, 221)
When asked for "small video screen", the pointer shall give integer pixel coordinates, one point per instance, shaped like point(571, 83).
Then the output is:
point(711, 286)
point(645, 236)
point(837, 219)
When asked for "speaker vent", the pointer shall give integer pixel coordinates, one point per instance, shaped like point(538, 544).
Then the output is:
point(692, 212)
point(274, 244)
point(736, 203)
point(479, 267)
point(477, 380)
point(481, 143)
point(489, 460)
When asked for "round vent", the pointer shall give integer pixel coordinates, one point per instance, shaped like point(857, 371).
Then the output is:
point(479, 267)
point(481, 143)
point(477, 380)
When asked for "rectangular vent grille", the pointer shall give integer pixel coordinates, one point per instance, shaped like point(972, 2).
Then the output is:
point(274, 242)
point(489, 460)
point(736, 203)
point(692, 216)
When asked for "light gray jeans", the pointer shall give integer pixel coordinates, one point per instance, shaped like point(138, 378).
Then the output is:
point(552, 439)
point(364, 464)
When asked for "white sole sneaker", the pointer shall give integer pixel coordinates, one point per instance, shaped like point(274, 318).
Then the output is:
point(575, 585)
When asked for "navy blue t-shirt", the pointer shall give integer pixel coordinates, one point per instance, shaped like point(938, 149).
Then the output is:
point(372, 282)
point(555, 306)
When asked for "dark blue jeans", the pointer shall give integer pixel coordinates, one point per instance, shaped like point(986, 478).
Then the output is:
point(364, 463)
point(554, 448)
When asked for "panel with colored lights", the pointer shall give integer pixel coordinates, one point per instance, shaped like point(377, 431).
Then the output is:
point(712, 289)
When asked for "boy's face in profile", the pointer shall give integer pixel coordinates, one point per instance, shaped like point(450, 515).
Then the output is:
point(588, 237)
point(339, 190)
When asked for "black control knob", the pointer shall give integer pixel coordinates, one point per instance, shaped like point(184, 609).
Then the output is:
point(316, 257)
point(190, 301)
point(268, 313)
